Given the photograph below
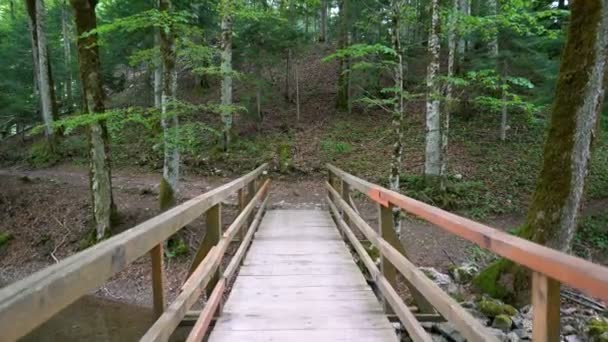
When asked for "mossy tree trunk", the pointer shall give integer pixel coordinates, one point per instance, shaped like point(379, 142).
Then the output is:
point(323, 28)
point(169, 120)
point(432, 157)
point(342, 99)
point(552, 216)
point(67, 54)
point(445, 122)
point(104, 210)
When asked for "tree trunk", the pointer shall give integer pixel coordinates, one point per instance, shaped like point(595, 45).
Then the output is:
point(552, 216)
point(37, 13)
point(432, 162)
point(445, 123)
point(169, 120)
point(493, 45)
point(342, 97)
point(288, 76)
point(158, 74)
point(67, 55)
point(398, 113)
point(11, 5)
point(297, 93)
point(323, 30)
point(226, 67)
point(464, 6)
point(104, 209)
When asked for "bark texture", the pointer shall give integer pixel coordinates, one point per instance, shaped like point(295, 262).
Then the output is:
point(104, 210)
point(445, 122)
point(432, 160)
point(67, 54)
point(553, 213)
point(42, 66)
point(342, 99)
point(226, 67)
point(169, 121)
point(323, 28)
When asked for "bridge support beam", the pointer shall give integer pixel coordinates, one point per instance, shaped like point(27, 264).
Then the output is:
point(158, 278)
point(546, 304)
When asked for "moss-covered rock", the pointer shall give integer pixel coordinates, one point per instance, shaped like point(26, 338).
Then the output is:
point(5, 238)
point(502, 322)
point(597, 327)
point(285, 158)
point(493, 308)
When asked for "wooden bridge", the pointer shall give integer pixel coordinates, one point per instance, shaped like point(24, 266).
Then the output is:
point(293, 277)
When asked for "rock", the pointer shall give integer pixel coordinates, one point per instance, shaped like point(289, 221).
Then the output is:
point(596, 327)
point(522, 334)
point(494, 307)
point(518, 322)
point(448, 331)
point(465, 273)
point(603, 337)
point(568, 330)
point(502, 322)
point(427, 325)
point(438, 277)
point(569, 311)
point(468, 305)
point(513, 337)
point(572, 338)
point(438, 338)
point(498, 333)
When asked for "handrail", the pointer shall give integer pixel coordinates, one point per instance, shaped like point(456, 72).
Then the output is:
point(27, 303)
point(550, 267)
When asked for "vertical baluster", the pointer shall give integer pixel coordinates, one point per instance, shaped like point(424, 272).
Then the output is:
point(386, 224)
point(213, 219)
point(546, 304)
point(158, 275)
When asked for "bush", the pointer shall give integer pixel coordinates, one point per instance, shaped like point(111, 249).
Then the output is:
point(41, 154)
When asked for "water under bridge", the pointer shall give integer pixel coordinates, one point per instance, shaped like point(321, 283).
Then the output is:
point(294, 275)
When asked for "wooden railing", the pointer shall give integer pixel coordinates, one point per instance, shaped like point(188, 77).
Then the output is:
point(549, 267)
point(28, 303)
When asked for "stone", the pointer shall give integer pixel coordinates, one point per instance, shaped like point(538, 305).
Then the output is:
point(603, 337)
point(502, 322)
point(438, 338)
point(498, 333)
point(572, 338)
point(493, 307)
point(568, 330)
point(465, 273)
point(513, 337)
point(522, 334)
point(468, 305)
point(436, 276)
point(569, 311)
point(448, 331)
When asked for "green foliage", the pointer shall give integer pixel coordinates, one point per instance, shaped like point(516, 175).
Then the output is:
point(592, 234)
point(42, 154)
point(332, 148)
point(176, 247)
point(5, 238)
point(470, 197)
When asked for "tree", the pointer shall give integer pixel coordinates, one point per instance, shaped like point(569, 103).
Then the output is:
point(67, 53)
point(342, 101)
point(169, 120)
point(104, 210)
point(445, 123)
point(42, 66)
point(553, 212)
point(432, 161)
point(323, 28)
point(227, 9)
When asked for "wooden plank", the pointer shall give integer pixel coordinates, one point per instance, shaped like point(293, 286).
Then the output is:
point(162, 329)
point(570, 270)
point(29, 302)
point(413, 327)
point(158, 275)
point(317, 335)
point(299, 287)
point(211, 306)
point(466, 324)
point(240, 253)
point(546, 303)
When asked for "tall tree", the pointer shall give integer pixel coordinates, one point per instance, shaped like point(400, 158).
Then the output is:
point(227, 9)
point(432, 161)
point(445, 122)
point(323, 28)
point(67, 53)
point(552, 216)
point(36, 14)
point(169, 120)
point(104, 209)
point(342, 101)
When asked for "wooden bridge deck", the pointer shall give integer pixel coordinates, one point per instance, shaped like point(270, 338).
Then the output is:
point(299, 282)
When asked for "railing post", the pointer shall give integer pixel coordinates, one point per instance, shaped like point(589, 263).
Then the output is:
point(345, 192)
point(213, 220)
point(388, 233)
point(386, 224)
point(546, 306)
point(158, 275)
point(243, 199)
